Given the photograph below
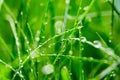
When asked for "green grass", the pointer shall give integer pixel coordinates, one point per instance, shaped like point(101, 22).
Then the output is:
point(59, 40)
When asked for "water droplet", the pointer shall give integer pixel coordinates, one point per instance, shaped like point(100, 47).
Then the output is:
point(21, 66)
point(67, 1)
point(49, 46)
point(83, 39)
point(31, 70)
point(30, 49)
point(82, 48)
point(91, 58)
point(20, 72)
point(41, 4)
point(17, 43)
point(110, 41)
point(58, 26)
point(113, 74)
point(70, 52)
point(21, 13)
point(80, 8)
point(27, 50)
point(17, 72)
point(43, 37)
point(47, 69)
point(27, 42)
point(37, 39)
point(82, 71)
point(45, 23)
point(97, 44)
point(39, 45)
point(20, 61)
point(85, 8)
point(70, 73)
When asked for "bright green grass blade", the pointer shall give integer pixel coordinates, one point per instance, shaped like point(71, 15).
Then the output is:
point(65, 73)
point(52, 15)
point(44, 22)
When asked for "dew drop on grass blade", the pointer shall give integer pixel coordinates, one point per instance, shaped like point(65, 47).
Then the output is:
point(65, 73)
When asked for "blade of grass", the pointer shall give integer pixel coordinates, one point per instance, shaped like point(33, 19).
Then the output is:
point(7, 65)
point(65, 15)
point(10, 67)
point(60, 52)
point(52, 15)
point(59, 45)
point(102, 40)
point(6, 47)
point(113, 7)
point(85, 13)
point(65, 73)
point(106, 71)
point(79, 46)
point(44, 22)
point(33, 52)
point(11, 19)
point(12, 25)
point(1, 2)
point(31, 33)
point(86, 59)
point(9, 11)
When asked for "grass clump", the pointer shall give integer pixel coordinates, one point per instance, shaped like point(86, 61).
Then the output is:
point(59, 40)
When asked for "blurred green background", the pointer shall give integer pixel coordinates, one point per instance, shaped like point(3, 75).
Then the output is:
point(40, 19)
